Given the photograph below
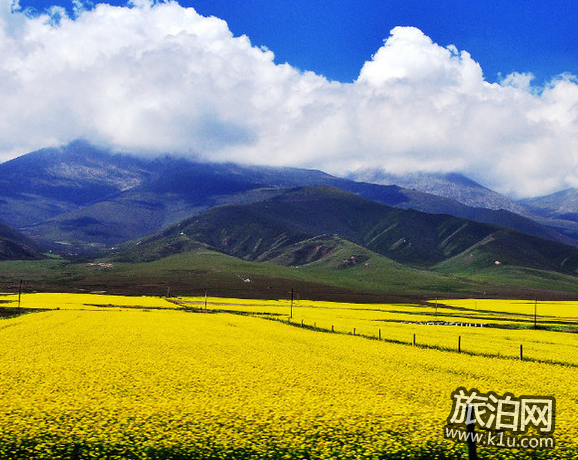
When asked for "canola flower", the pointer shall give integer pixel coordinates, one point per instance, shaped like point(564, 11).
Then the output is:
point(400, 323)
point(74, 301)
point(546, 310)
point(159, 384)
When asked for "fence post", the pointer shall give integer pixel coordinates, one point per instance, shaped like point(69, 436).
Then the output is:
point(414, 340)
point(521, 352)
point(19, 292)
point(470, 429)
point(380, 334)
point(459, 343)
point(332, 328)
point(353, 331)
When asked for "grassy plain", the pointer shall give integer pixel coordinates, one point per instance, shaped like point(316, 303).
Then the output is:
point(378, 279)
point(95, 376)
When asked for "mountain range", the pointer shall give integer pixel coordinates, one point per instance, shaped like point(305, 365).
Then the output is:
point(80, 200)
point(449, 185)
point(282, 227)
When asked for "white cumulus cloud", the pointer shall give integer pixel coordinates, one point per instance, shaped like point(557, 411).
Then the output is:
point(160, 78)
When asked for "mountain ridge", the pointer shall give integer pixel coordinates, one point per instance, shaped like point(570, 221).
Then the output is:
point(315, 228)
point(449, 185)
point(82, 198)
point(267, 231)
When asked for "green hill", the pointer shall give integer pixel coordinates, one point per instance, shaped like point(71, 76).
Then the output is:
point(262, 231)
point(15, 246)
point(322, 267)
point(340, 239)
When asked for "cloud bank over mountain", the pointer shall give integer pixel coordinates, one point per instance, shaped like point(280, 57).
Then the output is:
point(161, 78)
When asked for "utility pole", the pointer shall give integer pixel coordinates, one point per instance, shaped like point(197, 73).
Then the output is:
point(535, 314)
point(292, 296)
point(19, 293)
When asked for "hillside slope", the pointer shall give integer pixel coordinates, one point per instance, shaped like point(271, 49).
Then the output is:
point(281, 230)
point(15, 246)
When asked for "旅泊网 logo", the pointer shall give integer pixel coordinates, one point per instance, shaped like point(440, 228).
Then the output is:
point(525, 422)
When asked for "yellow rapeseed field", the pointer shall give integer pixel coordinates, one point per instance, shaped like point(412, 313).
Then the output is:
point(72, 301)
point(495, 328)
point(89, 381)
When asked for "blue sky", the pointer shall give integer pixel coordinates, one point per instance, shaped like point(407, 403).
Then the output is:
point(335, 37)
